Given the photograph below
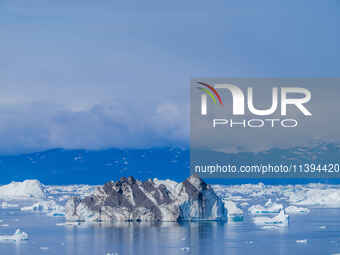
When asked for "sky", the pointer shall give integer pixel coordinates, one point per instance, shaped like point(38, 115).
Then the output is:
point(100, 74)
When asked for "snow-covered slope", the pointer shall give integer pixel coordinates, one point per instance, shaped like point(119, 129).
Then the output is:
point(132, 200)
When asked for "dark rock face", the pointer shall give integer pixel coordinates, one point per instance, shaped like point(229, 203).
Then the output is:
point(129, 199)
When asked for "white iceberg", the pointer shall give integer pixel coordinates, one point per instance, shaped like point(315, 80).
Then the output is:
point(296, 210)
point(303, 241)
point(17, 236)
point(44, 206)
point(69, 223)
point(244, 204)
point(268, 208)
point(234, 213)
point(324, 196)
point(280, 219)
point(23, 190)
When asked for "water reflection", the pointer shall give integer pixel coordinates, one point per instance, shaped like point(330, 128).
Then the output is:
point(165, 238)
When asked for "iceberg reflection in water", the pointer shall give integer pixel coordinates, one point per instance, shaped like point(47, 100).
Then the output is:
point(167, 238)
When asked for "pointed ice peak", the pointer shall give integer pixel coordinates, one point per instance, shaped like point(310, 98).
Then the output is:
point(196, 181)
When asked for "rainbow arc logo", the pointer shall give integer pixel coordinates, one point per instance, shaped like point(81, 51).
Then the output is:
point(211, 91)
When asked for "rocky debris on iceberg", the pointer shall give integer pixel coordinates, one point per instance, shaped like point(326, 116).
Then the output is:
point(280, 219)
point(22, 190)
point(234, 213)
point(17, 236)
point(153, 200)
point(268, 208)
point(296, 210)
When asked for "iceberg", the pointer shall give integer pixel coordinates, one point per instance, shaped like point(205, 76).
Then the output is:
point(32, 189)
point(268, 208)
point(321, 195)
point(280, 219)
point(234, 213)
point(153, 200)
point(43, 206)
point(303, 241)
point(244, 204)
point(17, 236)
point(50, 207)
point(296, 210)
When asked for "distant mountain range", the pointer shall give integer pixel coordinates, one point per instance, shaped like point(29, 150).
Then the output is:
point(60, 166)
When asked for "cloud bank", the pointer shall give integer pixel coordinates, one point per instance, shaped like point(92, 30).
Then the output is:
point(39, 126)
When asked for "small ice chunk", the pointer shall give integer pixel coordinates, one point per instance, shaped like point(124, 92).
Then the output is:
point(44, 248)
point(323, 227)
point(68, 223)
point(186, 249)
point(268, 203)
point(244, 204)
point(280, 219)
point(56, 214)
point(17, 236)
point(296, 210)
point(268, 208)
point(270, 227)
point(303, 241)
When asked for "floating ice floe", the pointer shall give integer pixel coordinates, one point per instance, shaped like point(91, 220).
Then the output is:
point(8, 205)
point(303, 241)
point(268, 208)
point(187, 249)
point(45, 206)
point(17, 236)
point(280, 219)
point(244, 204)
point(68, 223)
point(56, 214)
point(234, 213)
point(296, 210)
point(271, 227)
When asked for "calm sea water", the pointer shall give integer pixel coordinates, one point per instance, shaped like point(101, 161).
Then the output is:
point(172, 238)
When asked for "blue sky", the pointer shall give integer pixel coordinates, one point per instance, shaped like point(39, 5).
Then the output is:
point(98, 74)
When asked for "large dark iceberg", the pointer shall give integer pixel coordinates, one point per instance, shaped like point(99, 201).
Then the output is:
point(153, 200)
